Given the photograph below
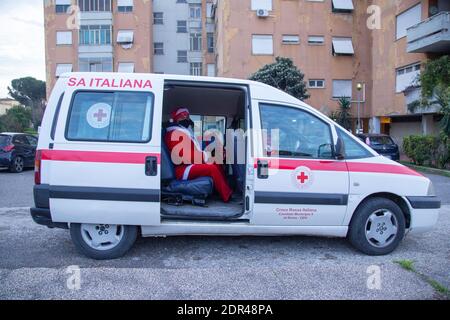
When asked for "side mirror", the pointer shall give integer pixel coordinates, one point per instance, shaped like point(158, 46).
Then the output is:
point(339, 149)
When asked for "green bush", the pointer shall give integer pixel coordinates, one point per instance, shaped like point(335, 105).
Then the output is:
point(427, 150)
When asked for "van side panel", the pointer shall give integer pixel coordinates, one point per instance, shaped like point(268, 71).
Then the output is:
point(100, 181)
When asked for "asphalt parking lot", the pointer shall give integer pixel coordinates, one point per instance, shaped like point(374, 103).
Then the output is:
point(34, 262)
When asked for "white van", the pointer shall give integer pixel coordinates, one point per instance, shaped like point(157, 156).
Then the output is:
point(102, 169)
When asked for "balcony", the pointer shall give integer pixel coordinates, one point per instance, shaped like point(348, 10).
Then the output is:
point(431, 35)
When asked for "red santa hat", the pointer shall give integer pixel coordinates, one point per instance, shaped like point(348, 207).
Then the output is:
point(179, 113)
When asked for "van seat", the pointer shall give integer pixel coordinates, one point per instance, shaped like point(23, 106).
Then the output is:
point(176, 191)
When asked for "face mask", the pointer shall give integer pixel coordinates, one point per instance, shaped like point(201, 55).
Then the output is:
point(186, 123)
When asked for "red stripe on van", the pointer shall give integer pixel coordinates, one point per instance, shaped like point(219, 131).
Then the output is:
point(97, 156)
point(340, 166)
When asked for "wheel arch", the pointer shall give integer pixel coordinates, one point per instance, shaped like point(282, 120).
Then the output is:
point(400, 201)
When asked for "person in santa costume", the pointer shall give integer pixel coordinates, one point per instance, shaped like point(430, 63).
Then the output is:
point(190, 161)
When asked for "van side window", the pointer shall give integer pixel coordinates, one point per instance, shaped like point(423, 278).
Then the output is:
point(110, 116)
point(353, 150)
point(292, 132)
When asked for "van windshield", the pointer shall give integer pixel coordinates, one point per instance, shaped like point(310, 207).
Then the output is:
point(4, 140)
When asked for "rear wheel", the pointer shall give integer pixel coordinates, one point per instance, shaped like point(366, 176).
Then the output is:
point(377, 227)
point(103, 241)
point(17, 165)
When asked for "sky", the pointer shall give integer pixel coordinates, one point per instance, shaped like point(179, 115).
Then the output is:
point(22, 46)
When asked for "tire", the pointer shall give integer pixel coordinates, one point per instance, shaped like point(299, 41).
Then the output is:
point(82, 233)
point(17, 165)
point(371, 225)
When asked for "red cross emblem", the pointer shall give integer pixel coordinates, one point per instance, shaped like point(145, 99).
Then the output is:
point(302, 177)
point(100, 115)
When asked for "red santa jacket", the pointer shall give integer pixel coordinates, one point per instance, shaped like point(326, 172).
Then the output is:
point(185, 151)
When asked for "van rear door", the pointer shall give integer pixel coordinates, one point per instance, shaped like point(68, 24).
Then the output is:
point(103, 164)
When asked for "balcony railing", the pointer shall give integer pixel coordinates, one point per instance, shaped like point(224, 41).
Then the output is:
point(431, 35)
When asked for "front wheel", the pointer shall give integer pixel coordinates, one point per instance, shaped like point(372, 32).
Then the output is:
point(103, 241)
point(377, 227)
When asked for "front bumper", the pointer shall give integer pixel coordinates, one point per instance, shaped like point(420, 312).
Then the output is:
point(424, 213)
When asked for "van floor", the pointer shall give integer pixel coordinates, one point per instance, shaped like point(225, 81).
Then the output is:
point(214, 208)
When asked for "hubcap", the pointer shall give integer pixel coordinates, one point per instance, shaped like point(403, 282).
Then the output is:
point(102, 236)
point(18, 163)
point(381, 228)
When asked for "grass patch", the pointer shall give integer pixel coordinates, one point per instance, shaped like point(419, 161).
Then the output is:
point(409, 266)
point(406, 264)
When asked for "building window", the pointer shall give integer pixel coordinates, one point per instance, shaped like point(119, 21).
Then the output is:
point(316, 40)
point(182, 26)
point(95, 65)
point(181, 1)
point(407, 76)
point(126, 67)
point(342, 47)
point(196, 42)
point(211, 72)
point(196, 69)
point(262, 4)
point(125, 38)
point(158, 18)
point(344, 6)
point(316, 84)
point(407, 19)
point(63, 68)
point(195, 11)
point(210, 41)
point(291, 39)
point(182, 56)
point(61, 6)
point(262, 44)
point(342, 89)
point(95, 35)
point(125, 6)
point(94, 5)
point(63, 38)
point(158, 48)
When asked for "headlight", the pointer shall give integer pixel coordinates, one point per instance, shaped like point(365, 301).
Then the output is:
point(431, 192)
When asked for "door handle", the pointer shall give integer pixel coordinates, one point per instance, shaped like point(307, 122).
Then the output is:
point(263, 169)
point(151, 166)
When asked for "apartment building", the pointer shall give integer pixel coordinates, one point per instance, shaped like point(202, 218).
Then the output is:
point(339, 44)
point(183, 35)
point(161, 36)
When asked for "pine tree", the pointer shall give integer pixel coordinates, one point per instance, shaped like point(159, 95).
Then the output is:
point(283, 75)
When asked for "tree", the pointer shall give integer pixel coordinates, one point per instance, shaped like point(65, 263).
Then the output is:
point(435, 83)
point(30, 92)
point(343, 115)
point(283, 75)
point(16, 119)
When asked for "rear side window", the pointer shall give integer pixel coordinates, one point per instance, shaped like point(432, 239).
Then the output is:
point(110, 117)
point(4, 141)
point(353, 150)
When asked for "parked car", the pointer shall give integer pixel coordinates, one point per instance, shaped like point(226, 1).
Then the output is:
point(17, 151)
point(383, 144)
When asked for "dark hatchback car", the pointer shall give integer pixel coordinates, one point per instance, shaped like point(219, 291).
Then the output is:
point(383, 144)
point(17, 151)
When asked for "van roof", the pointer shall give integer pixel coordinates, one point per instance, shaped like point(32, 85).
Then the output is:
point(259, 90)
